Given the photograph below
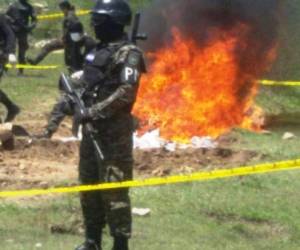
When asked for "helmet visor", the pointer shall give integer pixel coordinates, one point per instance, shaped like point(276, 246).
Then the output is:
point(98, 19)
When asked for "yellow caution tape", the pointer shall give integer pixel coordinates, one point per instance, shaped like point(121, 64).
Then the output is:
point(279, 83)
point(201, 176)
point(61, 15)
point(27, 66)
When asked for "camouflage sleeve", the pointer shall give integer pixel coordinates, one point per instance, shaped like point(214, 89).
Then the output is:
point(61, 109)
point(130, 71)
point(56, 117)
point(124, 95)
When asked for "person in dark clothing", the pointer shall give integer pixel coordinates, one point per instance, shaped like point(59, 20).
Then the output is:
point(109, 83)
point(7, 54)
point(78, 47)
point(65, 42)
point(23, 20)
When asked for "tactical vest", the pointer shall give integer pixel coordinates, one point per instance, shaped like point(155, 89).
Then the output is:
point(101, 65)
point(19, 16)
point(102, 73)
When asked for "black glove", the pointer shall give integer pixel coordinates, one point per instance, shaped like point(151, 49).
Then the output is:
point(82, 116)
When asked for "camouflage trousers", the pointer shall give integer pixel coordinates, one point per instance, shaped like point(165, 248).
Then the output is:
point(113, 206)
point(55, 44)
point(60, 110)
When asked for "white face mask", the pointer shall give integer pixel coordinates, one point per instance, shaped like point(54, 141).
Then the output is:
point(76, 37)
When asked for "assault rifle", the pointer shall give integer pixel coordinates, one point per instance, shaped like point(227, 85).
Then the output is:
point(75, 95)
point(135, 35)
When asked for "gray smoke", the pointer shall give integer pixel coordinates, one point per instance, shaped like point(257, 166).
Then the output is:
point(195, 19)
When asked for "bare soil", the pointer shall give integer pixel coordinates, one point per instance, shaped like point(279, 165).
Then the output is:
point(45, 163)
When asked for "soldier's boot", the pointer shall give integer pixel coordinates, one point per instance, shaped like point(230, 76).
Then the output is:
point(36, 60)
point(40, 57)
point(89, 245)
point(12, 111)
point(120, 243)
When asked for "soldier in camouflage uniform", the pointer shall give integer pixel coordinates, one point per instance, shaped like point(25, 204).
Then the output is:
point(7, 54)
point(110, 79)
point(23, 20)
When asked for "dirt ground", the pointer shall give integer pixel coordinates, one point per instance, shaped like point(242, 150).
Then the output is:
point(45, 163)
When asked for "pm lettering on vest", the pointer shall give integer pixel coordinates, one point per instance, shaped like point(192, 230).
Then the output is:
point(131, 75)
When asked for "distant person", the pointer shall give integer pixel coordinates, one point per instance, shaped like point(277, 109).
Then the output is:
point(75, 55)
point(72, 37)
point(7, 54)
point(23, 20)
point(78, 47)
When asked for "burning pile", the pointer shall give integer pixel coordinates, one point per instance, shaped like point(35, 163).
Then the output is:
point(205, 59)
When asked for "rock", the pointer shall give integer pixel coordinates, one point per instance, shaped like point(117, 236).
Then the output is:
point(171, 147)
point(203, 142)
point(22, 166)
point(288, 136)
point(186, 170)
point(143, 166)
point(38, 245)
point(160, 172)
point(44, 184)
point(6, 136)
point(6, 132)
point(141, 211)
point(19, 131)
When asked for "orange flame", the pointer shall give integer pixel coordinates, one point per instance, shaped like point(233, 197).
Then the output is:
point(196, 91)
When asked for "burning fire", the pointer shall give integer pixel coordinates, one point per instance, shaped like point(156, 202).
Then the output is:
point(193, 90)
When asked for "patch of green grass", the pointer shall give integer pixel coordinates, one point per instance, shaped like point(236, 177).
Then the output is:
point(258, 212)
point(37, 91)
point(277, 100)
point(272, 146)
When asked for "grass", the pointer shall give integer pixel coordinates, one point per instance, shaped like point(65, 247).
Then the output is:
point(278, 100)
point(256, 212)
point(272, 146)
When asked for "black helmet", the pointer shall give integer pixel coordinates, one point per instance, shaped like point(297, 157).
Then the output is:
point(117, 10)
